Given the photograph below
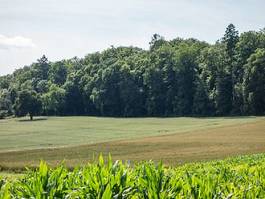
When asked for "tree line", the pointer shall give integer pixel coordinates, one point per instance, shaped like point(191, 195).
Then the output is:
point(180, 77)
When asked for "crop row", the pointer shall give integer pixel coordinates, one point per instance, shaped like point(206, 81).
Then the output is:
point(241, 177)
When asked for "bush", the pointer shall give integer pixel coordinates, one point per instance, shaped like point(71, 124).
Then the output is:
point(3, 114)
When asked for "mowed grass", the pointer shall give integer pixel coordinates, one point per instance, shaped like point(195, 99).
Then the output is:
point(52, 132)
point(172, 140)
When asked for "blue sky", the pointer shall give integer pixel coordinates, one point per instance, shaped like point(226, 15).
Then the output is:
point(67, 28)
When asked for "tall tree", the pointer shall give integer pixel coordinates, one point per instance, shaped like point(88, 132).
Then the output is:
point(54, 101)
point(58, 73)
point(28, 102)
point(223, 93)
point(42, 68)
point(73, 96)
point(254, 83)
point(176, 77)
point(5, 103)
point(201, 102)
point(156, 41)
point(186, 66)
point(230, 40)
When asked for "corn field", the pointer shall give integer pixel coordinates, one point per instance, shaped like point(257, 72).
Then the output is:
point(241, 177)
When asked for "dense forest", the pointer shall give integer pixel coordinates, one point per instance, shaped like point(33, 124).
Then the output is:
point(180, 77)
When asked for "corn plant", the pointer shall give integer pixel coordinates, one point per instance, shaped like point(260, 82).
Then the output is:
point(241, 177)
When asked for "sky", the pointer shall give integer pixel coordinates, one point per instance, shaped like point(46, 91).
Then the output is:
point(62, 29)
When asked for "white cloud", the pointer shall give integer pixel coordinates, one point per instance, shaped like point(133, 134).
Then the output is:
point(15, 42)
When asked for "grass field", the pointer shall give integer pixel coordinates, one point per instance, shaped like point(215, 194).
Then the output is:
point(174, 140)
point(21, 134)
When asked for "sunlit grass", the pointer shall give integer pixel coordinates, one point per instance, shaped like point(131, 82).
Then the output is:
point(20, 134)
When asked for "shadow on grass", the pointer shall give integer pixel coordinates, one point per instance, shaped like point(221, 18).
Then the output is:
point(34, 119)
point(200, 117)
point(225, 117)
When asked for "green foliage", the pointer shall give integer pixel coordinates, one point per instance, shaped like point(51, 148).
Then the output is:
point(230, 39)
point(201, 102)
point(54, 100)
point(181, 77)
point(224, 93)
point(41, 68)
point(4, 189)
point(241, 177)
point(58, 73)
point(28, 102)
point(5, 103)
point(156, 42)
point(254, 82)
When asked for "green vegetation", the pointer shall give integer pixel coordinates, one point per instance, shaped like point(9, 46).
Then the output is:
point(27, 103)
point(50, 132)
point(180, 77)
point(11, 176)
point(76, 140)
point(242, 177)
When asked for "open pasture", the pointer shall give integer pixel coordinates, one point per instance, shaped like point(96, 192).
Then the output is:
point(173, 140)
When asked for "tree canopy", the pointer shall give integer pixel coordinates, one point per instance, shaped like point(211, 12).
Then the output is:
point(180, 77)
